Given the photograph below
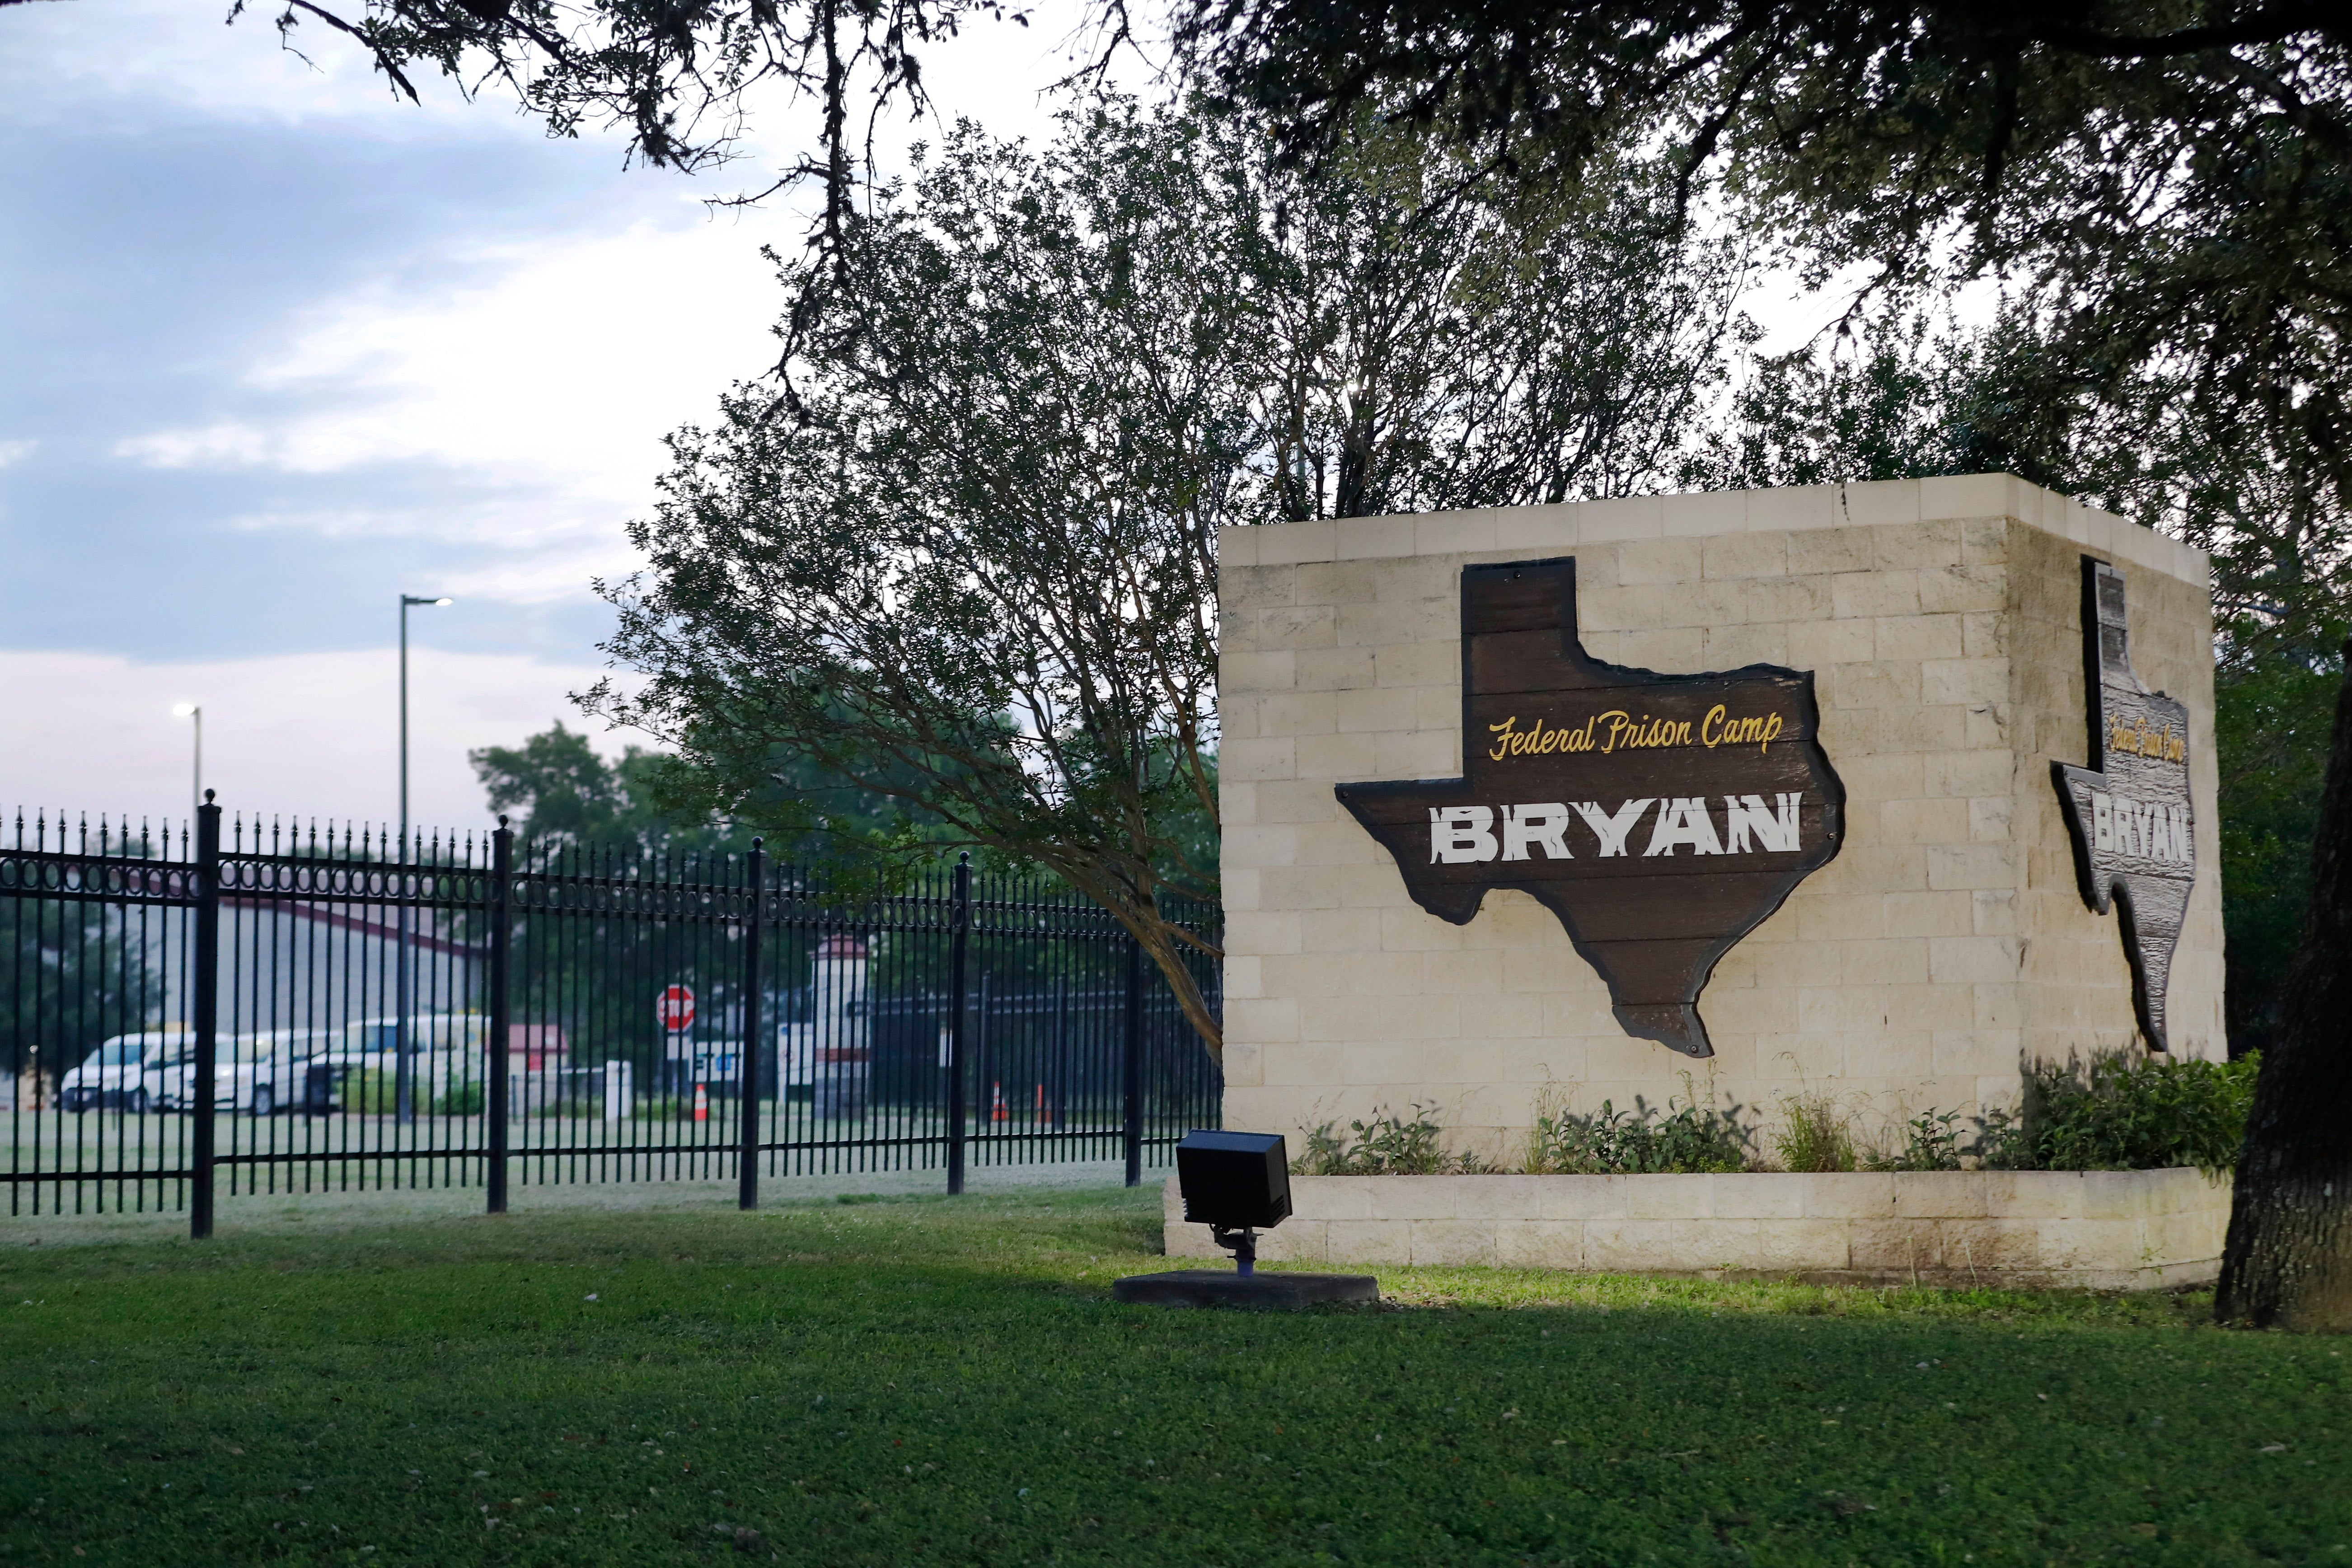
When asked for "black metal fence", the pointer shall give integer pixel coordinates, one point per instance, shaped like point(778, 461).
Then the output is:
point(300, 1012)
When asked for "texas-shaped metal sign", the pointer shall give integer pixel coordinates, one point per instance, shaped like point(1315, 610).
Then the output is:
point(1662, 817)
point(2129, 812)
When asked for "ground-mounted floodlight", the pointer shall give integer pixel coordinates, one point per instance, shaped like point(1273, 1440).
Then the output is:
point(1238, 1184)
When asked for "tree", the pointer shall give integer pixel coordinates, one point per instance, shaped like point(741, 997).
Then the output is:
point(649, 806)
point(2274, 708)
point(2287, 1262)
point(567, 793)
point(966, 558)
point(73, 974)
point(2165, 190)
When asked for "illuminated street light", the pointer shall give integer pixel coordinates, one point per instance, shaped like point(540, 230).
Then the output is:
point(195, 710)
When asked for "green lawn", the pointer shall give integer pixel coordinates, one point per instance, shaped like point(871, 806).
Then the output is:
point(934, 1381)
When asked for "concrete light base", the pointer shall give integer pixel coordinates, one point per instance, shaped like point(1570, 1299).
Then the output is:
point(2106, 1230)
point(1222, 1288)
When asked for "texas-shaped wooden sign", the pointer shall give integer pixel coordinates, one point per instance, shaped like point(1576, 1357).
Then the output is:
point(1662, 817)
point(2135, 839)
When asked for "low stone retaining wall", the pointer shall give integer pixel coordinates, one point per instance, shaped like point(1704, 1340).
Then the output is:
point(2098, 1229)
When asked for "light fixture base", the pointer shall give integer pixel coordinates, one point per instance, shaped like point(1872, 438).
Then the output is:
point(1283, 1292)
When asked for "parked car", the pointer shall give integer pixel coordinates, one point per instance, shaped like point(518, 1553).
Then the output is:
point(116, 1073)
point(259, 1073)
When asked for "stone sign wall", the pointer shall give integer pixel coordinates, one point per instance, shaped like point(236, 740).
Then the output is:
point(1939, 624)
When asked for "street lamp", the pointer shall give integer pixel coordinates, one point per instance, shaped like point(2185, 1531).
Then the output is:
point(195, 710)
point(404, 1078)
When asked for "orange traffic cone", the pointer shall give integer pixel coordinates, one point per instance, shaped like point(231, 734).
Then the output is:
point(701, 1104)
point(998, 1114)
point(1041, 1105)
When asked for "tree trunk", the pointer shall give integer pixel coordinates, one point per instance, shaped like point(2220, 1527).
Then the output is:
point(2288, 1260)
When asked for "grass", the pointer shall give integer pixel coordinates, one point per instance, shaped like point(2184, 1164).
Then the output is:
point(931, 1380)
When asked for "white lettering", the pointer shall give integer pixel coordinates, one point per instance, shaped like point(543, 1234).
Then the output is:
point(1684, 820)
point(1544, 825)
point(1611, 830)
point(1775, 826)
point(1461, 833)
point(2157, 830)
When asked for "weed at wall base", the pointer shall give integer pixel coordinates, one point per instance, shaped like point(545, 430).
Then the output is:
point(1685, 1139)
point(1814, 1135)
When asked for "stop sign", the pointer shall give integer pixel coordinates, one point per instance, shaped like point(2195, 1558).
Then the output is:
point(675, 1007)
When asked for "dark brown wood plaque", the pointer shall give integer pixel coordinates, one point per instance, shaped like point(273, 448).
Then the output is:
point(2129, 812)
point(1660, 817)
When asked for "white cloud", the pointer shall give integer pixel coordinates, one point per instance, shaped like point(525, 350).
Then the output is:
point(551, 385)
point(565, 371)
point(230, 445)
point(16, 451)
point(308, 734)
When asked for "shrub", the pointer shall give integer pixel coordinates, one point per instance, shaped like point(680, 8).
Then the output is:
point(2123, 1113)
point(1387, 1145)
point(375, 1091)
point(371, 1092)
point(460, 1099)
point(1814, 1135)
point(1685, 1138)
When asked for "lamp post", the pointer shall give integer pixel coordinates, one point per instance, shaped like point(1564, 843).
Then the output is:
point(404, 1077)
point(195, 710)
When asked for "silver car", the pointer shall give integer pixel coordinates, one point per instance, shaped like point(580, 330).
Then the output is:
point(117, 1073)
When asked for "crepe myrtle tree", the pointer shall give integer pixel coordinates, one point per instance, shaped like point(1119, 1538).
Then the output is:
point(965, 553)
point(967, 561)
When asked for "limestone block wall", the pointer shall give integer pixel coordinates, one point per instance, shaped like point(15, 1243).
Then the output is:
point(1946, 942)
point(2104, 1230)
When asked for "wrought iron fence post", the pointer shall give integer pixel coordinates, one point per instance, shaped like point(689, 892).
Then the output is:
point(747, 1055)
point(205, 993)
point(1132, 1064)
point(495, 1054)
point(958, 955)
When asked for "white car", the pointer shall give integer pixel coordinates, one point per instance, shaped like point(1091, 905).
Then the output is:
point(116, 1074)
point(259, 1073)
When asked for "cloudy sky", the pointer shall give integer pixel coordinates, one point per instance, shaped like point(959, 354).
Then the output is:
point(277, 349)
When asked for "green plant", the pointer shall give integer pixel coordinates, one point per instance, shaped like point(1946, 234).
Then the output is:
point(459, 1100)
point(371, 1092)
point(1814, 1135)
point(2123, 1113)
point(1387, 1145)
point(1686, 1137)
point(1931, 1141)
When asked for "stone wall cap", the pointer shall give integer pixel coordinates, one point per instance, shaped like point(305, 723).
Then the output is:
point(1888, 504)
